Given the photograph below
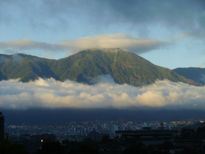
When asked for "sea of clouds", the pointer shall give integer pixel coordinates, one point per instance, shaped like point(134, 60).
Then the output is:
point(49, 93)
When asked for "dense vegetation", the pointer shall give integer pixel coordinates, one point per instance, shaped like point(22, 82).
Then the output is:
point(123, 66)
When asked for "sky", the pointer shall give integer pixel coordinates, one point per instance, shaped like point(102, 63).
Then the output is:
point(169, 33)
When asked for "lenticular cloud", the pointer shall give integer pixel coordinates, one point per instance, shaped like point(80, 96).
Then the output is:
point(55, 94)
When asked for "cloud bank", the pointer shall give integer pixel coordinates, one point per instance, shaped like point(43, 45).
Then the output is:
point(55, 94)
point(123, 41)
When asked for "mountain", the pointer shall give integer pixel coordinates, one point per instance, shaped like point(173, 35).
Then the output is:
point(25, 67)
point(193, 73)
point(123, 66)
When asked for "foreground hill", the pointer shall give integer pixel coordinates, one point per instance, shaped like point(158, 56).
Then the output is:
point(193, 73)
point(123, 66)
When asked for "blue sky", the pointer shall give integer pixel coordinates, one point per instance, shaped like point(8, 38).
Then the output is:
point(169, 33)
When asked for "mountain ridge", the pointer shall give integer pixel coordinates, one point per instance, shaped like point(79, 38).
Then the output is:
point(123, 66)
point(193, 73)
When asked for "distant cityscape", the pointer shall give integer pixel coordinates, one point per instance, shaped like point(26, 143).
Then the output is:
point(102, 137)
point(79, 130)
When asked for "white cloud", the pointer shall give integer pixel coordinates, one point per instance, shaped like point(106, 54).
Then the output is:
point(123, 41)
point(55, 94)
point(26, 44)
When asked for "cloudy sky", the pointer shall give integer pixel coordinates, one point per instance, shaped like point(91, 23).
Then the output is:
point(169, 33)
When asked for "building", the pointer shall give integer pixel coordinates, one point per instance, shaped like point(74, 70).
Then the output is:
point(148, 136)
point(1, 126)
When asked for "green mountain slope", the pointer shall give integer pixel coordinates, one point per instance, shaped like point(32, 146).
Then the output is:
point(193, 73)
point(25, 67)
point(123, 66)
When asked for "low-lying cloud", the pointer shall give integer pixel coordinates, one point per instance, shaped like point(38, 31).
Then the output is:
point(55, 94)
point(138, 45)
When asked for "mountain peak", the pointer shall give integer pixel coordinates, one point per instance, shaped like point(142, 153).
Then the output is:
point(123, 66)
point(106, 49)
